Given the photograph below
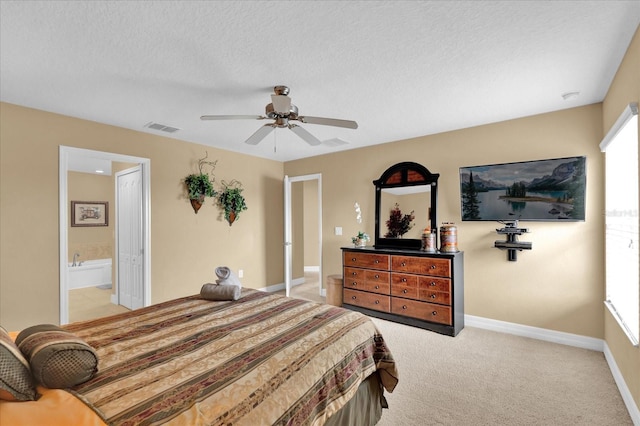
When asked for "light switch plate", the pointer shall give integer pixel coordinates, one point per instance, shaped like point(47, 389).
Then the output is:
point(338, 230)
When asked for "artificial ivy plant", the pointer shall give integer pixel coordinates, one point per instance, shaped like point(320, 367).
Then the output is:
point(200, 185)
point(231, 200)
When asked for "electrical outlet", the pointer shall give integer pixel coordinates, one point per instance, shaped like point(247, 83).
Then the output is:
point(240, 273)
point(338, 230)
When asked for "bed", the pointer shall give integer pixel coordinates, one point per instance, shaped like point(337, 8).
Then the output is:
point(263, 359)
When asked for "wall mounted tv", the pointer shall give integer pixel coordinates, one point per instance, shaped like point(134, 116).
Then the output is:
point(542, 190)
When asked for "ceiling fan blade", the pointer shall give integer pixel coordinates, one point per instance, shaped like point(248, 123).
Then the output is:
point(281, 103)
point(260, 134)
point(232, 117)
point(306, 136)
point(329, 122)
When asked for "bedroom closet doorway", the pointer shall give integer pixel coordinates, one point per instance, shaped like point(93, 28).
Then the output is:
point(85, 243)
point(302, 231)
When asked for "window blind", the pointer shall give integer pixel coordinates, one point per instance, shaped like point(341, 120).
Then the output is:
point(622, 222)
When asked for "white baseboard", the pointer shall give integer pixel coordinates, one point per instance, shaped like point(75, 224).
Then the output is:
point(563, 339)
point(634, 412)
point(312, 268)
point(278, 287)
point(535, 333)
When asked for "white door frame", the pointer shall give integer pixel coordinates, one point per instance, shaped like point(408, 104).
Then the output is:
point(65, 154)
point(287, 228)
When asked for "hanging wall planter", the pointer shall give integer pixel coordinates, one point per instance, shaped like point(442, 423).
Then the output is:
point(231, 201)
point(200, 185)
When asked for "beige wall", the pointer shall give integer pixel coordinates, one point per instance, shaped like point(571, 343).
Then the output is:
point(96, 242)
point(624, 89)
point(558, 284)
point(185, 247)
point(311, 241)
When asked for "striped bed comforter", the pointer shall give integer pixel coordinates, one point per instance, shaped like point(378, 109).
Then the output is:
point(263, 359)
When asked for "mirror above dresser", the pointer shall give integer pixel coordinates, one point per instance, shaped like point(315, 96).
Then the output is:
point(414, 190)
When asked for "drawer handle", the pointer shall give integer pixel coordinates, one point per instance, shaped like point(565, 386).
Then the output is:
point(404, 306)
point(377, 302)
point(353, 297)
point(404, 280)
point(434, 313)
point(405, 291)
point(433, 296)
point(376, 261)
point(403, 264)
point(353, 284)
point(377, 287)
point(353, 259)
point(433, 266)
point(377, 276)
point(354, 273)
point(432, 283)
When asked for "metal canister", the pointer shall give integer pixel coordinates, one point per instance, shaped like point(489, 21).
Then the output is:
point(429, 242)
point(448, 238)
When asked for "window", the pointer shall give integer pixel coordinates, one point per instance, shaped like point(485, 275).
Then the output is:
point(620, 146)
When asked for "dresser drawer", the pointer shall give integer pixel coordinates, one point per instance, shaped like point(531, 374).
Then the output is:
point(434, 284)
point(377, 277)
point(404, 279)
point(421, 265)
point(439, 297)
point(409, 290)
point(373, 301)
point(367, 280)
point(421, 310)
point(366, 260)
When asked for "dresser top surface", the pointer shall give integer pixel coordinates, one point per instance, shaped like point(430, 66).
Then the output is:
point(402, 252)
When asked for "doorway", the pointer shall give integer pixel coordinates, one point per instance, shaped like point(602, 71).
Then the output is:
point(70, 156)
point(303, 227)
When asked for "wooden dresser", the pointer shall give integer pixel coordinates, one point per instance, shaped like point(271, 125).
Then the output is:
point(411, 287)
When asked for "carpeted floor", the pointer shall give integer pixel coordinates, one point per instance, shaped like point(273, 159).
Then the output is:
point(482, 377)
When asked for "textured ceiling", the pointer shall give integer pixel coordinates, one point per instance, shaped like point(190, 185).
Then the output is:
point(401, 69)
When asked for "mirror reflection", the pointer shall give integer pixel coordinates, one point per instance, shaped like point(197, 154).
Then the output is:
point(410, 200)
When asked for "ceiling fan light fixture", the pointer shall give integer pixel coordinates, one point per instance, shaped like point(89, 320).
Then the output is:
point(281, 103)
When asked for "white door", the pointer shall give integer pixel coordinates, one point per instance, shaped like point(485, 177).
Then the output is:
point(288, 244)
point(130, 271)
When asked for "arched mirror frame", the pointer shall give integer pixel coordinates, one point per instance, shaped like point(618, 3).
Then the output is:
point(402, 175)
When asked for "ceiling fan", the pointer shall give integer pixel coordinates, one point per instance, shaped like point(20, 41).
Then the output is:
point(282, 111)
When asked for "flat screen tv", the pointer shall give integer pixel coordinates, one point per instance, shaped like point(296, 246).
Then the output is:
point(542, 190)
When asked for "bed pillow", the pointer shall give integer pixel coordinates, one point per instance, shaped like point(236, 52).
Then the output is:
point(16, 382)
point(58, 359)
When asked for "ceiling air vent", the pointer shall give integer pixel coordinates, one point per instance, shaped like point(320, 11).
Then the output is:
point(161, 127)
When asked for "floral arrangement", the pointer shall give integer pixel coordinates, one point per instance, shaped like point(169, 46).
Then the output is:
point(399, 224)
point(362, 238)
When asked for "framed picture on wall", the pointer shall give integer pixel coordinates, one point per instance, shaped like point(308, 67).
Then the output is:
point(89, 213)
